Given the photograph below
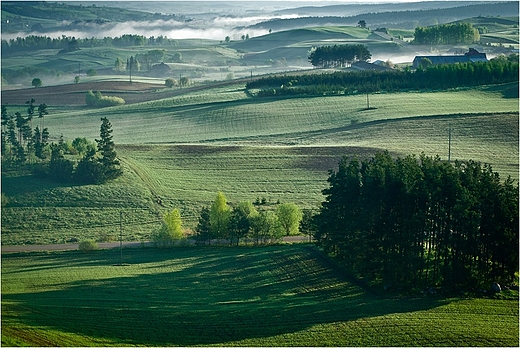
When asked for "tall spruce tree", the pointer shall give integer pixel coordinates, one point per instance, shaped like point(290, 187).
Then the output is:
point(111, 168)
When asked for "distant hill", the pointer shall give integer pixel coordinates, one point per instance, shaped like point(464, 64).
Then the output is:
point(405, 19)
point(21, 15)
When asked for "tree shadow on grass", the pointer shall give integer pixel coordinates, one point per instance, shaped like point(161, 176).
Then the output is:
point(204, 296)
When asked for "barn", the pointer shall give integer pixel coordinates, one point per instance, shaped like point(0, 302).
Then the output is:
point(471, 56)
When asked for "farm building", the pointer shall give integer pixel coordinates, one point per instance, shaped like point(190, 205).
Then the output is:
point(360, 65)
point(471, 56)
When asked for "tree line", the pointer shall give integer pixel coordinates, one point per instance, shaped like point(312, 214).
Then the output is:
point(446, 34)
point(225, 223)
point(70, 43)
point(22, 145)
point(338, 55)
point(418, 222)
point(434, 77)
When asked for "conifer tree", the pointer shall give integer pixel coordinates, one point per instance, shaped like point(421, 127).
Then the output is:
point(110, 164)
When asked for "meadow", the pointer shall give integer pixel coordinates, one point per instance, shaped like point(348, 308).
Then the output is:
point(266, 296)
point(177, 152)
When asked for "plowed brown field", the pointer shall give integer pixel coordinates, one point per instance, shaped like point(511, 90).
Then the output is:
point(74, 94)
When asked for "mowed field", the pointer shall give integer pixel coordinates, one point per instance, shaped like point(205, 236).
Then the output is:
point(265, 296)
point(177, 152)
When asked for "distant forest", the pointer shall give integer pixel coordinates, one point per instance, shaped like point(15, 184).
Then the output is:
point(69, 44)
point(435, 77)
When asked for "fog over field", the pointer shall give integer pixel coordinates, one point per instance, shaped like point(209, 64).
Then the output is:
point(215, 20)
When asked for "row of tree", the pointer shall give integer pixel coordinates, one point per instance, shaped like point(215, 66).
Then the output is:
point(418, 222)
point(338, 55)
point(446, 34)
point(21, 145)
point(68, 43)
point(432, 77)
point(19, 142)
point(223, 223)
point(220, 221)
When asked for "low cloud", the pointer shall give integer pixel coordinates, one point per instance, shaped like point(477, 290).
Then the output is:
point(216, 28)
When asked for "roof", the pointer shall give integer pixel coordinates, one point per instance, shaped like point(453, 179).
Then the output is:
point(470, 57)
point(360, 65)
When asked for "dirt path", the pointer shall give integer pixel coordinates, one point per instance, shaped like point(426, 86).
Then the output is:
point(7, 249)
point(69, 246)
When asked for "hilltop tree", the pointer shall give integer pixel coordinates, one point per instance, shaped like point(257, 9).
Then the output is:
point(110, 164)
point(36, 82)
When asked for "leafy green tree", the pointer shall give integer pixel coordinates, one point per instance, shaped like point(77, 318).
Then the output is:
point(89, 169)
point(289, 216)
point(119, 65)
point(266, 227)
point(240, 220)
point(203, 229)
point(36, 82)
point(177, 57)
point(169, 82)
point(184, 81)
point(171, 229)
point(60, 169)
point(109, 162)
point(219, 217)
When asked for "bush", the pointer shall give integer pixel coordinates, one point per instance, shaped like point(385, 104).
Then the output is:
point(98, 100)
point(88, 246)
point(169, 82)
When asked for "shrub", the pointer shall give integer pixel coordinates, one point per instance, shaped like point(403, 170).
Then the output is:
point(98, 100)
point(88, 245)
point(169, 82)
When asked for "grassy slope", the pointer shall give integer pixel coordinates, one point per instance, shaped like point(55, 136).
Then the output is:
point(243, 151)
point(274, 296)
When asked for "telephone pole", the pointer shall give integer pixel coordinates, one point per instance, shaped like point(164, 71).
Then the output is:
point(449, 145)
point(121, 237)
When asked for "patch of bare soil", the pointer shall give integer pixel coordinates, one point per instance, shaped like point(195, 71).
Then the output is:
point(74, 94)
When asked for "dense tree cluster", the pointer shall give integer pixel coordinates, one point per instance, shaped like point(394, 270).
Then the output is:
point(417, 222)
point(338, 55)
point(68, 44)
point(22, 145)
point(497, 70)
point(446, 34)
point(220, 221)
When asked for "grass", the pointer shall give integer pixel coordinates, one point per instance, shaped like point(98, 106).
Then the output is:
point(271, 296)
point(278, 149)
point(227, 114)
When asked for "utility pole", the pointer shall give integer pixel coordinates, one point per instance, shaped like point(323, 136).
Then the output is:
point(449, 145)
point(121, 237)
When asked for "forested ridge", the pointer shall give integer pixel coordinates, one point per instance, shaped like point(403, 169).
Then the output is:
point(415, 222)
point(435, 77)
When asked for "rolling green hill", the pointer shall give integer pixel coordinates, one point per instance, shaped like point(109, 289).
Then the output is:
point(180, 151)
point(271, 296)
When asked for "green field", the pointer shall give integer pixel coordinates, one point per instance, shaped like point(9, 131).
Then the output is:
point(268, 296)
point(178, 152)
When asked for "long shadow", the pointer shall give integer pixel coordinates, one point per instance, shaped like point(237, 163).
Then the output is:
point(203, 297)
